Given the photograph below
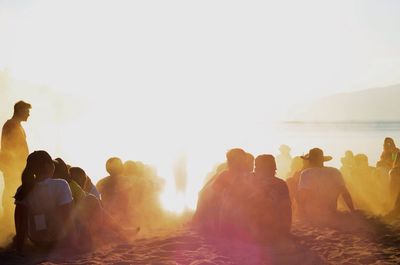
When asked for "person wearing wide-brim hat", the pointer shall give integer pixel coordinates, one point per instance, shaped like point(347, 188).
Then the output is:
point(316, 154)
point(320, 187)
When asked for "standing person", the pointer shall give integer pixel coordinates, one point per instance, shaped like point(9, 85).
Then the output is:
point(283, 161)
point(13, 155)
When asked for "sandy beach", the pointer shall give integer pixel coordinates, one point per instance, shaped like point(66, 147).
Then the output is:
point(309, 245)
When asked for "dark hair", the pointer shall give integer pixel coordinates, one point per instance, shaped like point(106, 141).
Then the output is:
point(21, 105)
point(34, 165)
point(131, 168)
point(114, 166)
point(235, 156)
point(61, 170)
point(265, 161)
point(78, 175)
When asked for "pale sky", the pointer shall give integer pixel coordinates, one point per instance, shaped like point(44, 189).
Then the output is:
point(205, 51)
point(173, 68)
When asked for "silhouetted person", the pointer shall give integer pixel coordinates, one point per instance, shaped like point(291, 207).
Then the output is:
point(210, 196)
point(115, 190)
point(394, 174)
point(141, 185)
point(367, 190)
point(298, 165)
point(144, 186)
point(13, 155)
point(320, 187)
point(180, 174)
point(394, 182)
point(348, 163)
point(106, 186)
point(79, 176)
point(283, 161)
point(43, 204)
point(272, 216)
point(61, 172)
point(388, 155)
point(131, 169)
point(215, 172)
point(232, 216)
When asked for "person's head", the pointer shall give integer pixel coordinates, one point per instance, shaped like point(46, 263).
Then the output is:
point(78, 175)
point(284, 149)
point(265, 165)
point(21, 110)
point(388, 144)
point(235, 159)
point(114, 166)
point(249, 161)
point(39, 165)
point(61, 170)
point(316, 157)
point(348, 159)
point(361, 160)
point(131, 168)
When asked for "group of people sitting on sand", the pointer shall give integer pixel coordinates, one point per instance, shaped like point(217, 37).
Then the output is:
point(59, 205)
point(244, 197)
point(254, 204)
point(130, 192)
point(374, 189)
point(245, 200)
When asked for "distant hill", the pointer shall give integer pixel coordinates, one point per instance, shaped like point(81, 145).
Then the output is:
point(376, 104)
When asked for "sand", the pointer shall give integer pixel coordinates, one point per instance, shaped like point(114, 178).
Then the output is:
point(309, 245)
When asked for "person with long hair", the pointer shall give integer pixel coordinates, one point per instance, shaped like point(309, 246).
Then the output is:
point(43, 204)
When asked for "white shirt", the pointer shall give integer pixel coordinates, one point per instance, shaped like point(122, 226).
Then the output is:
point(42, 202)
point(325, 184)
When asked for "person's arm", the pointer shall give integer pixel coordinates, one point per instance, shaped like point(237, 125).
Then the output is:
point(21, 225)
point(65, 209)
point(347, 199)
point(303, 197)
point(286, 206)
point(303, 194)
point(345, 192)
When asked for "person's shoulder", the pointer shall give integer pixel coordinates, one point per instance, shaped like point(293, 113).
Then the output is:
point(9, 124)
point(224, 173)
point(57, 182)
point(332, 171)
point(59, 185)
point(307, 172)
point(280, 182)
point(223, 176)
point(103, 181)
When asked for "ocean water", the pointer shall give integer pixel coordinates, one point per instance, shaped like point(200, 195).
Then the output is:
point(337, 137)
point(210, 146)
